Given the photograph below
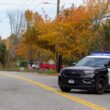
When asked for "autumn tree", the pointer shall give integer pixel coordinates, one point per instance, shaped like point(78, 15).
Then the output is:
point(73, 33)
point(100, 23)
point(17, 22)
point(31, 36)
point(17, 26)
point(103, 40)
point(68, 35)
point(3, 54)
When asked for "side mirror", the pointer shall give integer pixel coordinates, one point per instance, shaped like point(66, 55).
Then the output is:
point(73, 64)
point(107, 65)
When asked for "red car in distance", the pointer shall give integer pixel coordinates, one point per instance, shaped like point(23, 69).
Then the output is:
point(44, 66)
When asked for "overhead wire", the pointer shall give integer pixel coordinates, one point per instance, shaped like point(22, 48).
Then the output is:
point(24, 5)
point(20, 7)
point(8, 4)
point(29, 4)
point(37, 5)
point(98, 18)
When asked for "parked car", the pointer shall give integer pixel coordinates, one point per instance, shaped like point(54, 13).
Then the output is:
point(48, 66)
point(35, 66)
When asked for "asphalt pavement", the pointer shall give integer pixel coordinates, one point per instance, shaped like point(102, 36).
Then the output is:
point(31, 91)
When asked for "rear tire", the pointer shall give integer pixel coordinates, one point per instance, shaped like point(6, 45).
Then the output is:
point(100, 86)
point(65, 89)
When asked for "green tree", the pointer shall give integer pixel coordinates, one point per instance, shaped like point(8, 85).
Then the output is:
point(103, 38)
point(3, 54)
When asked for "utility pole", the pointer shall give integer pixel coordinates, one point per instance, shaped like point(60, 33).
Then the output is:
point(58, 56)
point(58, 7)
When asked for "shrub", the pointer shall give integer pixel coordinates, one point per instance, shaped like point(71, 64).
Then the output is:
point(23, 63)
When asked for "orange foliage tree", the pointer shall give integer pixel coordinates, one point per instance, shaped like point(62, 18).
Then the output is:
point(71, 34)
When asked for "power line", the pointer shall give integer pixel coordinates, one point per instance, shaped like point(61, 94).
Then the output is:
point(9, 4)
point(98, 18)
point(29, 3)
point(38, 5)
point(24, 5)
point(104, 17)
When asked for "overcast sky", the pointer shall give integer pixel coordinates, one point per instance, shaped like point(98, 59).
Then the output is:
point(35, 5)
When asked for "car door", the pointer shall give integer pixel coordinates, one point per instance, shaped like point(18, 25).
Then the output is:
point(109, 75)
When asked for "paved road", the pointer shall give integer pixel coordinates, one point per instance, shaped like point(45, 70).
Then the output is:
point(29, 91)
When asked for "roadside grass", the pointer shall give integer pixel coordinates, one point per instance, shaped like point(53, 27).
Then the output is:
point(9, 69)
point(37, 71)
point(48, 72)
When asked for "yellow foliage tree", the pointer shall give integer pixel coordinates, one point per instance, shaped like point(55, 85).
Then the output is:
point(71, 34)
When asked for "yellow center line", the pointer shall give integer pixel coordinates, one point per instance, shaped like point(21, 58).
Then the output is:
point(66, 95)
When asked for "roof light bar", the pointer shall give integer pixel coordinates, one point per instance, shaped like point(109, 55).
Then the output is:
point(101, 54)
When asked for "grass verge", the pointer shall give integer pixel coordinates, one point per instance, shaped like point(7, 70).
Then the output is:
point(47, 72)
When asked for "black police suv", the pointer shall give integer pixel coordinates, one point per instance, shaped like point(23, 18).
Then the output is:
point(91, 73)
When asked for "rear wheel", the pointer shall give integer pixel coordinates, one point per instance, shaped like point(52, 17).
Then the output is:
point(100, 86)
point(47, 68)
point(65, 89)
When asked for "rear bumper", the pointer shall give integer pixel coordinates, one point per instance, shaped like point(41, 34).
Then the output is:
point(79, 83)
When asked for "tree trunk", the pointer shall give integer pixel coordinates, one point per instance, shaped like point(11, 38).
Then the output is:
point(58, 62)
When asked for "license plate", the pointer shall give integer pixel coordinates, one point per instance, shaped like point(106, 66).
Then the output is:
point(71, 81)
